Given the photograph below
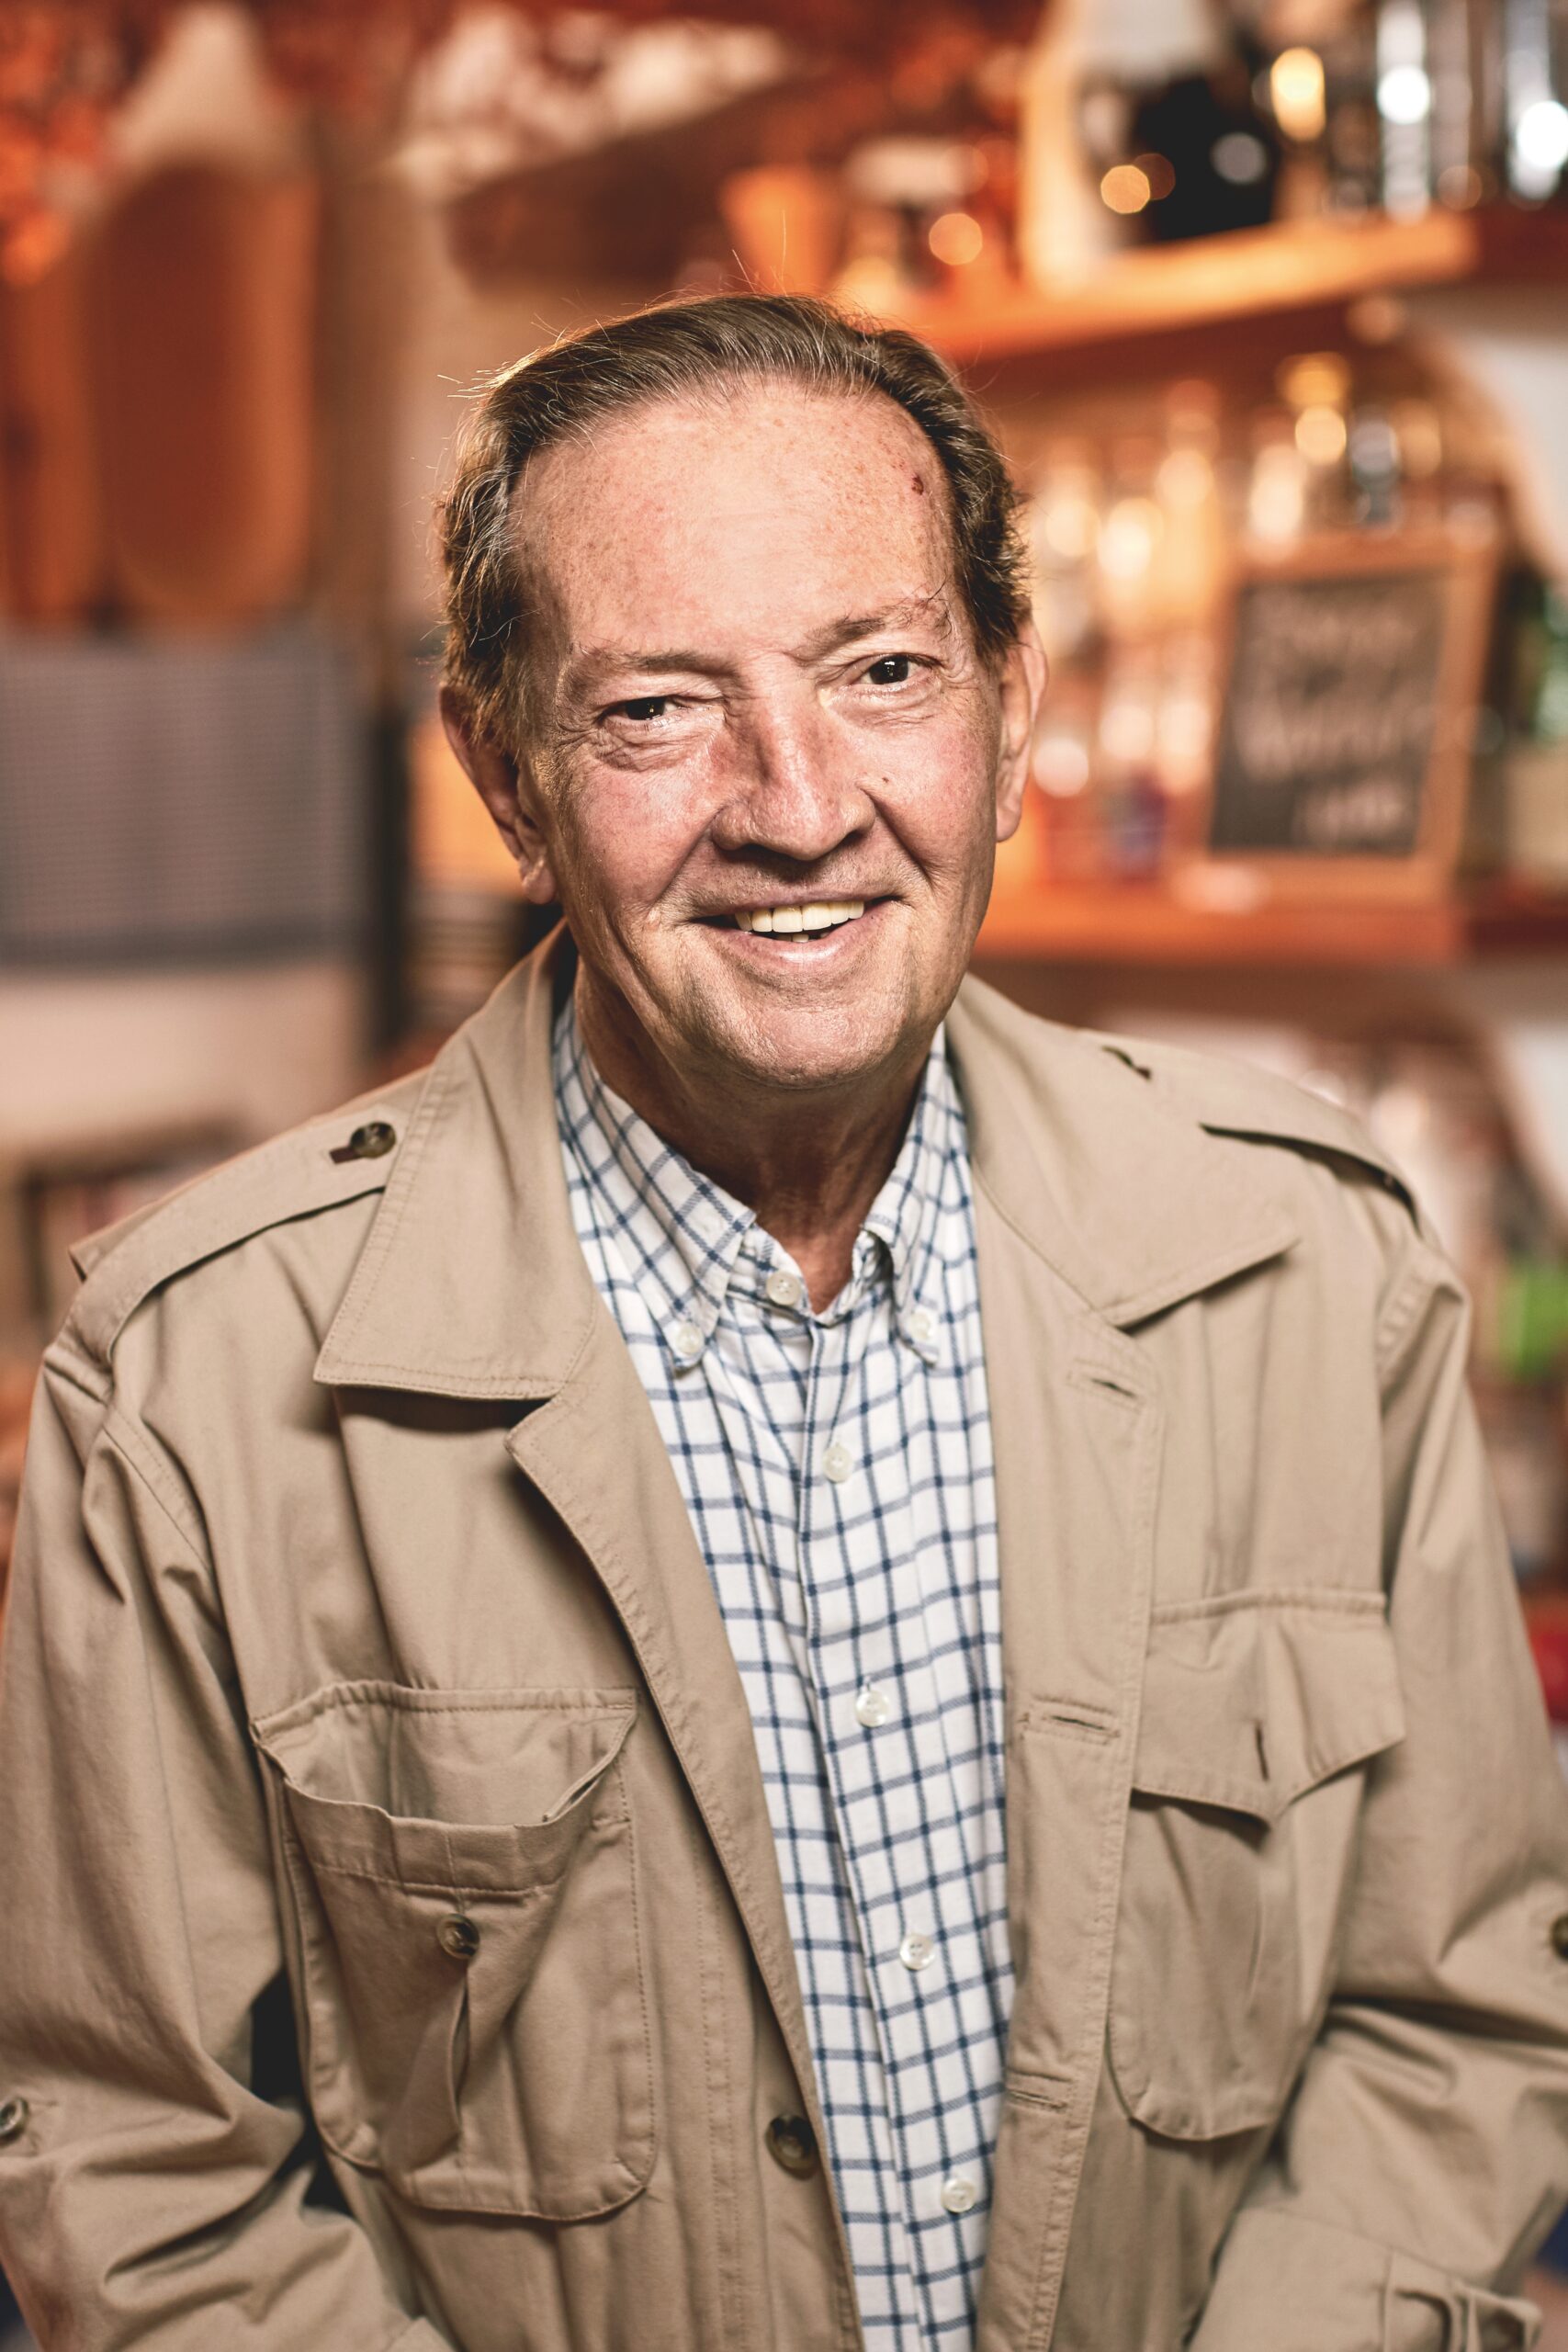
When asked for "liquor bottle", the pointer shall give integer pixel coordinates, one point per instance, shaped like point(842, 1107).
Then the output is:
point(1404, 106)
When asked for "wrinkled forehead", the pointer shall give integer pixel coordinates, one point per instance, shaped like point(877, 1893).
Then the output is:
point(732, 518)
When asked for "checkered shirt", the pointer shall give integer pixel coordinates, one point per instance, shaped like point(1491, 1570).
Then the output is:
point(838, 1470)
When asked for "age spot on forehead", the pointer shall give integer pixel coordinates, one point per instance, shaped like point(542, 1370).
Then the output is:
point(919, 484)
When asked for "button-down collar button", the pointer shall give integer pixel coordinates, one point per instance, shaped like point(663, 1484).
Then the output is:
point(783, 1289)
point(1560, 1936)
point(922, 1326)
point(873, 1706)
point(13, 2119)
point(372, 1141)
point(837, 1463)
point(793, 2143)
point(458, 1938)
point(916, 1951)
point(689, 1341)
point(958, 2192)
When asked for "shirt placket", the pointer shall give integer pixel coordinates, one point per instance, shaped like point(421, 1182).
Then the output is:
point(875, 1697)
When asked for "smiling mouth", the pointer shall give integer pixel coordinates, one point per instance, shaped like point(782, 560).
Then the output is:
point(816, 916)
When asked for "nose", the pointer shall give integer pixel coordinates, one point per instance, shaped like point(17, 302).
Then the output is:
point(797, 794)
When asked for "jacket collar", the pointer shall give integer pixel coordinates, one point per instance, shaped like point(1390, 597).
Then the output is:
point(471, 1282)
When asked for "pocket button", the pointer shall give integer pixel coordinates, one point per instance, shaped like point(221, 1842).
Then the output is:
point(13, 2119)
point(458, 1938)
point(793, 2143)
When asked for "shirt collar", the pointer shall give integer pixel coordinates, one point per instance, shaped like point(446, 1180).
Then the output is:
point(705, 1232)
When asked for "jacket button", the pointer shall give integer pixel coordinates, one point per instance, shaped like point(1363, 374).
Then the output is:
point(458, 1938)
point(13, 2119)
point(793, 2143)
point(1560, 1936)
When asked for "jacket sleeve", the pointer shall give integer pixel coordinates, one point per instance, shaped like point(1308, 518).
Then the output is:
point(1425, 2152)
point(158, 2184)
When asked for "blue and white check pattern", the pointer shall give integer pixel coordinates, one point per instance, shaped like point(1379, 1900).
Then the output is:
point(838, 1473)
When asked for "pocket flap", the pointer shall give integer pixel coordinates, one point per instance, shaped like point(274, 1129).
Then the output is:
point(442, 1788)
point(1251, 1700)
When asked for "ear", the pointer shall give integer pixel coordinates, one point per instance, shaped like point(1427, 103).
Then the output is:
point(1022, 690)
point(507, 791)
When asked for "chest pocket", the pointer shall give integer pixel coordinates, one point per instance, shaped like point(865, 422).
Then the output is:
point(1258, 1718)
point(464, 1881)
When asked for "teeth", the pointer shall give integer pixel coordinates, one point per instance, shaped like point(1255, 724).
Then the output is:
point(822, 914)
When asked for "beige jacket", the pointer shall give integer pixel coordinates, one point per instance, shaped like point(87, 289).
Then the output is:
point(355, 1596)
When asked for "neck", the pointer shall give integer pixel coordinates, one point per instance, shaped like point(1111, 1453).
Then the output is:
point(807, 1165)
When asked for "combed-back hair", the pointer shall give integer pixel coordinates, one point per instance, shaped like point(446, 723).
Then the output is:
point(684, 350)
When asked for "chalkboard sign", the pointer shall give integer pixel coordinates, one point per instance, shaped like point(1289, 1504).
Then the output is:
point(1344, 733)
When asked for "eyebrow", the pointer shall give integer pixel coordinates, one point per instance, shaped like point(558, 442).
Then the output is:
point(601, 660)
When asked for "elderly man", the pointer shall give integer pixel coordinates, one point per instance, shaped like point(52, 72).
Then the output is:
point(781, 1660)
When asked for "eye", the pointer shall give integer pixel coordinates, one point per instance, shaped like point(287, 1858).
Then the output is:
point(642, 709)
point(891, 670)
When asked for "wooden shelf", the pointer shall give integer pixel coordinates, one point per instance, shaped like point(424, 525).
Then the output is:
point(1303, 266)
point(1142, 924)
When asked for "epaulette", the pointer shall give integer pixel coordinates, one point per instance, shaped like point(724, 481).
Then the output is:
point(319, 1166)
point(1236, 1098)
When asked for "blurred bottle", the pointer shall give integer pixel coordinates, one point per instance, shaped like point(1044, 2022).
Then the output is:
point(1130, 546)
point(1278, 484)
point(1061, 527)
point(1461, 140)
point(1535, 762)
point(1190, 550)
point(1063, 228)
point(1534, 86)
point(1404, 106)
point(1062, 770)
point(1136, 124)
point(1135, 806)
point(1316, 387)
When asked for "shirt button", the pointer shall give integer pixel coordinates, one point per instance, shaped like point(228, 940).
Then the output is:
point(14, 2115)
point(872, 1707)
point(792, 2143)
point(782, 1288)
point(458, 1938)
point(958, 2192)
point(922, 1325)
point(916, 1951)
point(689, 1340)
point(837, 1463)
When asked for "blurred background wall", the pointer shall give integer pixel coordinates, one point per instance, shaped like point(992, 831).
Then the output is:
point(1270, 302)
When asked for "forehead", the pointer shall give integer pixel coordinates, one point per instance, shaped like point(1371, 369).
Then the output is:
point(737, 518)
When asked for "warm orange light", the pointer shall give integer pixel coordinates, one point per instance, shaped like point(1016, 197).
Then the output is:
point(1321, 435)
point(1314, 379)
point(1295, 85)
point(1125, 188)
point(1159, 172)
point(956, 238)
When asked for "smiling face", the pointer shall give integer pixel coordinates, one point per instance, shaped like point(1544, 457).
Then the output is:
point(764, 769)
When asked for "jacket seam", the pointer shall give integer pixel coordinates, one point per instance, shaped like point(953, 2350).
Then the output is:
point(137, 1453)
point(1421, 1282)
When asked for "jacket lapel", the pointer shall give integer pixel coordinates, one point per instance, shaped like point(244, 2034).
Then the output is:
point(595, 1453)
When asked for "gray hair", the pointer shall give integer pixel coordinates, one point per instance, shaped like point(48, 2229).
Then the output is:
point(682, 349)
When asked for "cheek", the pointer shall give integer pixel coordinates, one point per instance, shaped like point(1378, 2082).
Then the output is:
point(624, 838)
point(942, 801)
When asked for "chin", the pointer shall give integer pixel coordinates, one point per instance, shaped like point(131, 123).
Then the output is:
point(816, 1049)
